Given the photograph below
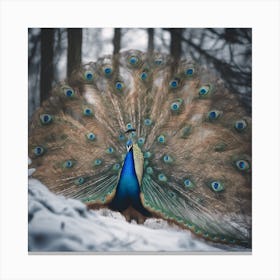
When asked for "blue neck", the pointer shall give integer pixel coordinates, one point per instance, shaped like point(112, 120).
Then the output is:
point(128, 189)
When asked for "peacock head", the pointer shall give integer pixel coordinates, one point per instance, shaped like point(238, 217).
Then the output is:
point(129, 145)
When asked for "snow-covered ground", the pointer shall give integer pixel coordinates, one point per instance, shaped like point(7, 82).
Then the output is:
point(58, 224)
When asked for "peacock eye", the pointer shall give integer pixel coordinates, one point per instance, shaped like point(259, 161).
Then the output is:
point(119, 86)
point(167, 159)
point(108, 71)
point(141, 141)
point(213, 115)
point(147, 154)
point(87, 112)
point(134, 60)
point(45, 119)
point(188, 183)
point(161, 139)
point(110, 150)
point(79, 181)
point(38, 151)
point(240, 125)
point(121, 137)
point(162, 177)
point(98, 162)
point(148, 122)
point(174, 84)
point(242, 165)
point(158, 61)
point(144, 76)
point(88, 75)
point(68, 164)
point(217, 186)
point(91, 136)
point(129, 126)
point(204, 90)
point(150, 170)
point(69, 92)
point(175, 106)
point(116, 166)
point(189, 72)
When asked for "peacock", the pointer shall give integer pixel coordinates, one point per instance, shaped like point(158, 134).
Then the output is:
point(149, 136)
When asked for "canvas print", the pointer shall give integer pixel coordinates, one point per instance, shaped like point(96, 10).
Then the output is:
point(139, 140)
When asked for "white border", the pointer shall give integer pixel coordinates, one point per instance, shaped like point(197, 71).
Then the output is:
point(17, 16)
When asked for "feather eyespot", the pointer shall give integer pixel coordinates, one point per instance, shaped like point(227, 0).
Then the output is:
point(217, 186)
point(158, 61)
point(144, 76)
point(97, 162)
point(161, 139)
point(171, 194)
point(162, 177)
point(148, 122)
point(38, 151)
point(189, 72)
point(240, 125)
point(107, 70)
point(87, 112)
point(69, 92)
point(116, 166)
point(79, 181)
point(46, 119)
point(204, 91)
point(213, 115)
point(68, 164)
point(188, 183)
point(175, 106)
point(91, 136)
point(129, 126)
point(167, 159)
point(242, 165)
point(150, 170)
point(174, 84)
point(119, 86)
point(147, 154)
point(88, 75)
point(121, 137)
point(134, 60)
point(141, 141)
point(110, 150)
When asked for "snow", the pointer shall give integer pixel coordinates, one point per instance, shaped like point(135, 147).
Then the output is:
point(57, 224)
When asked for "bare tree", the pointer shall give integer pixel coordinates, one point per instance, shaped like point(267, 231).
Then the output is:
point(176, 43)
point(46, 74)
point(74, 54)
point(117, 40)
point(150, 40)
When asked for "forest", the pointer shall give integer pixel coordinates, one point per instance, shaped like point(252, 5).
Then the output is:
point(53, 53)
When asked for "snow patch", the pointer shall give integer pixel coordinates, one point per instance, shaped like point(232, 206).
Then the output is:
point(57, 224)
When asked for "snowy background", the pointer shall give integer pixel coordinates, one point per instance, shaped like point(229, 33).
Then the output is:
point(58, 224)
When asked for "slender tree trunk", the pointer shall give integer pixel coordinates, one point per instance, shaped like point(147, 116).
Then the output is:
point(176, 43)
point(150, 40)
point(117, 40)
point(74, 54)
point(46, 74)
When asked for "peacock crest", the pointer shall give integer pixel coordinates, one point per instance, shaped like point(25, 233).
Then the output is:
point(140, 130)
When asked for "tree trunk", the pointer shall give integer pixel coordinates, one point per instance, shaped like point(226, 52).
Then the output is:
point(150, 40)
point(74, 53)
point(117, 40)
point(176, 43)
point(46, 73)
